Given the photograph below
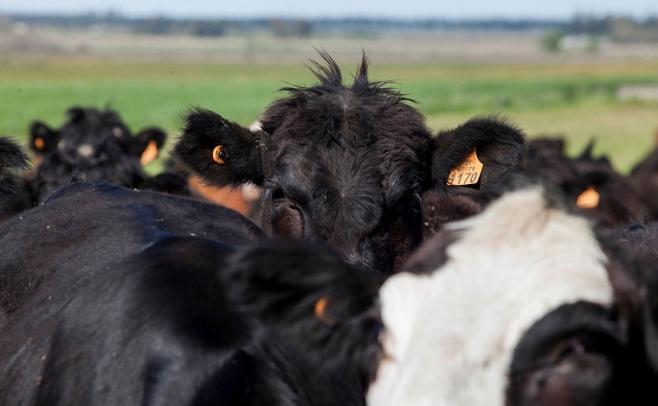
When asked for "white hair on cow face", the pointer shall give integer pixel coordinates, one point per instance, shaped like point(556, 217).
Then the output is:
point(255, 126)
point(450, 335)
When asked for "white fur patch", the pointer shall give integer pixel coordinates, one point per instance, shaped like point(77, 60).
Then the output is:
point(450, 335)
point(86, 150)
point(255, 126)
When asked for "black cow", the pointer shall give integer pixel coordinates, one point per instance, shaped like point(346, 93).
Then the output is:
point(523, 304)
point(96, 145)
point(139, 298)
point(343, 164)
point(599, 190)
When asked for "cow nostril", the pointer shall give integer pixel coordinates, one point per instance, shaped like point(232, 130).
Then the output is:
point(278, 194)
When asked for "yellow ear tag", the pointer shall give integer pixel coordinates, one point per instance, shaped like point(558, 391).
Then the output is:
point(39, 143)
point(150, 153)
point(467, 173)
point(219, 155)
point(589, 199)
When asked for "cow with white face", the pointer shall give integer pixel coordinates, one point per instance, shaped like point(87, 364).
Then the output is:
point(520, 305)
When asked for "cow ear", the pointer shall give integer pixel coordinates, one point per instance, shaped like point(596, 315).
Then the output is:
point(489, 144)
point(148, 144)
point(43, 139)
point(221, 152)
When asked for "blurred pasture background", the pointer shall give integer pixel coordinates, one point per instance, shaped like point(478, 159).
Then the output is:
point(580, 77)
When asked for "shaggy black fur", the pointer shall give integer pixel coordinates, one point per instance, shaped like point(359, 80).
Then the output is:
point(341, 163)
point(123, 306)
point(204, 130)
point(639, 242)
point(15, 195)
point(87, 225)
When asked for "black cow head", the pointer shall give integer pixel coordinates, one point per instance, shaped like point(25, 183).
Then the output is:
point(346, 164)
point(591, 182)
point(342, 164)
point(88, 131)
point(92, 145)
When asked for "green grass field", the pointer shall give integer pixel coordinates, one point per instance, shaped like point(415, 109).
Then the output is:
point(575, 100)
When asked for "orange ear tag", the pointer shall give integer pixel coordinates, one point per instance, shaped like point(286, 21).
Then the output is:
point(39, 143)
point(320, 310)
point(219, 155)
point(467, 173)
point(589, 199)
point(150, 153)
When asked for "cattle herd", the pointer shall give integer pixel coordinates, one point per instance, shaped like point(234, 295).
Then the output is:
point(381, 265)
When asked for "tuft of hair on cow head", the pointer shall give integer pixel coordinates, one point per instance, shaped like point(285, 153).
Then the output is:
point(43, 139)
point(587, 152)
point(148, 143)
point(221, 152)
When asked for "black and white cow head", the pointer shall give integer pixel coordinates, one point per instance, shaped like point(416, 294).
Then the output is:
point(344, 164)
point(520, 305)
point(92, 145)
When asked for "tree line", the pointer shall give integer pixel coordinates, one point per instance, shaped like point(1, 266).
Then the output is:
point(621, 28)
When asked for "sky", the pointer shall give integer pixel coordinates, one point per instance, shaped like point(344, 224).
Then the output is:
point(333, 8)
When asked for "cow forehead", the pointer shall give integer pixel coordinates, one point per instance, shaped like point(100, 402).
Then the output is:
point(451, 334)
point(340, 170)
